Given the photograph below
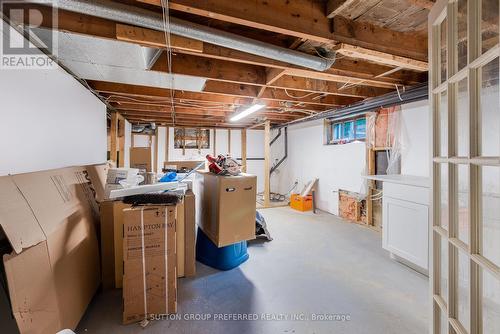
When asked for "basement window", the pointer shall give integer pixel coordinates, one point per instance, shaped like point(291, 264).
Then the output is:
point(191, 138)
point(346, 131)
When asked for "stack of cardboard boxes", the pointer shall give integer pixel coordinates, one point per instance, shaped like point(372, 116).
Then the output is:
point(52, 272)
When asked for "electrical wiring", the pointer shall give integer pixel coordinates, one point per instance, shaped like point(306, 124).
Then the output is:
point(298, 97)
point(166, 26)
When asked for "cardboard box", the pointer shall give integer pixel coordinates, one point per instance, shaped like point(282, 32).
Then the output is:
point(112, 240)
point(141, 158)
point(112, 243)
point(115, 175)
point(178, 165)
point(226, 207)
point(97, 175)
point(53, 272)
point(149, 257)
point(189, 234)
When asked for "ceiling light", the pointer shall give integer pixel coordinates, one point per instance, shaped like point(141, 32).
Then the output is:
point(245, 112)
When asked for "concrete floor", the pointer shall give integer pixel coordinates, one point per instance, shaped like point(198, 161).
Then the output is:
point(316, 264)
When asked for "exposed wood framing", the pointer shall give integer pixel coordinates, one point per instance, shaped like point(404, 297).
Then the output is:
point(380, 57)
point(303, 19)
point(244, 150)
point(335, 7)
point(128, 33)
point(267, 164)
point(167, 142)
point(113, 147)
point(156, 151)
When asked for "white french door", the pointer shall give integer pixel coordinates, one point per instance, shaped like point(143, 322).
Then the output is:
point(465, 99)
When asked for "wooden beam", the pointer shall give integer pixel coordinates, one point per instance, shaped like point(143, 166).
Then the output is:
point(267, 164)
point(244, 150)
point(343, 69)
point(365, 35)
point(335, 7)
point(304, 19)
point(149, 37)
point(300, 18)
point(212, 69)
point(229, 141)
point(273, 74)
point(380, 57)
point(327, 87)
point(281, 95)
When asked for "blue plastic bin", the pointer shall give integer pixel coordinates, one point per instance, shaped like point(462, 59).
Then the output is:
point(224, 258)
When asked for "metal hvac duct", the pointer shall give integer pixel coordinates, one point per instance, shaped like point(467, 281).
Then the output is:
point(151, 20)
point(412, 94)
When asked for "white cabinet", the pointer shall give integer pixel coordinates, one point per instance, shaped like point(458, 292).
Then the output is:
point(405, 223)
point(405, 230)
point(405, 219)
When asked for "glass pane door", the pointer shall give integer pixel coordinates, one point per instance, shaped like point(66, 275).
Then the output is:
point(464, 62)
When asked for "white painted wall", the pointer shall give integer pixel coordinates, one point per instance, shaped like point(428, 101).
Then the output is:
point(415, 138)
point(49, 120)
point(336, 166)
point(342, 166)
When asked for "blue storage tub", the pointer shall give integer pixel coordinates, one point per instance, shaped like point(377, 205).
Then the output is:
point(224, 258)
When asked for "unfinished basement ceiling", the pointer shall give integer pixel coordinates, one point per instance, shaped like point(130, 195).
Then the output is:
point(92, 58)
point(371, 57)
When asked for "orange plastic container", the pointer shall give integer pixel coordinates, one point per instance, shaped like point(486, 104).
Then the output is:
point(300, 203)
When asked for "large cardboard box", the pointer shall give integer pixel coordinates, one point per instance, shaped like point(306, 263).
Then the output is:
point(53, 272)
point(226, 207)
point(140, 157)
point(112, 240)
point(189, 234)
point(149, 257)
point(112, 243)
point(186, 164)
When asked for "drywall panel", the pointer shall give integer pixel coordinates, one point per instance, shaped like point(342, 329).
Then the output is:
point(221, 143)
point(142, 141)
point(336, 166)
point(235, 144)
point(49, 120)
point(415, 138)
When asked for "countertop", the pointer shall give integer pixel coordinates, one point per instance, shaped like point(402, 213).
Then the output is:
point(410, 180)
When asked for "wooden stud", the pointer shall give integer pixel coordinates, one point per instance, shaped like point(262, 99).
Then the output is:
point(156, 151)
point(113, 152)
point(215, 142)
point(167, 142)
point(244, 150)
point(267, 163)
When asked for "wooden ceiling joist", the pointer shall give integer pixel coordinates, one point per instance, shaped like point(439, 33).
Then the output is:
point(303, 19)
point(381, 57)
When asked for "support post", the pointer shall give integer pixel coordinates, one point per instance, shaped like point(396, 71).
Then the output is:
point(156, 151)
point(267, 163)
point(113, 153)
point(244, 150)
point(167, 142)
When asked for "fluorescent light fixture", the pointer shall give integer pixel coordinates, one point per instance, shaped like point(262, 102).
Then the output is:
point(245, 112)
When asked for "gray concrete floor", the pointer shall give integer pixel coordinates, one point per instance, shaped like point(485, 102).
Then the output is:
point(316, 264)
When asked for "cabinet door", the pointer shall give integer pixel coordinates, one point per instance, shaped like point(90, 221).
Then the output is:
point(405, 231)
